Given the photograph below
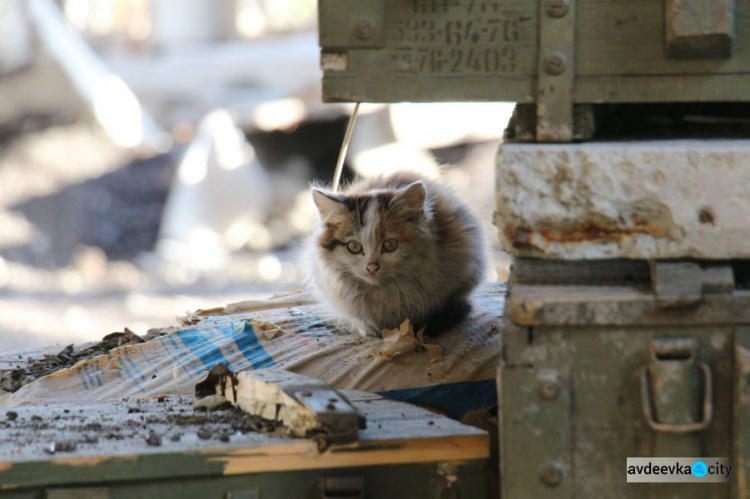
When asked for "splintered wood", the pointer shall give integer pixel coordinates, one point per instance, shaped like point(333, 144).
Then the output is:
point(403, 341)
point(262, 393)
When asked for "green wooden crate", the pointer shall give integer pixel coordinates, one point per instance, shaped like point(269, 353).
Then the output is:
point(555, 53)
point(164, 449)
point(439, 50)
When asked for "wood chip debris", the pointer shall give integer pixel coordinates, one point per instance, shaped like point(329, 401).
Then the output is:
point(269, 329)
point(403, 340)
point(305, 407)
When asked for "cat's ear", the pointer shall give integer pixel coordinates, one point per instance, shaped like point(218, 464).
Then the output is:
point(327, 202)
point(410, 199)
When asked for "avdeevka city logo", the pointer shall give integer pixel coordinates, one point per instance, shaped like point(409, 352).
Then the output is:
point(699, 469)
point(679, 469)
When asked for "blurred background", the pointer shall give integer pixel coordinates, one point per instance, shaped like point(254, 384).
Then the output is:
point(155, 157)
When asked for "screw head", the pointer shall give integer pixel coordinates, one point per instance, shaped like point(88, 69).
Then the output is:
point(549, 390)
point(554, 64)
point(364, 30)
point(557, 8)
point(551, 475)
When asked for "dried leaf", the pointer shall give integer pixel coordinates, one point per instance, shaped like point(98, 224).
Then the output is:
point(435, 352)
point(420, 335)
point(406, 328)
point(390, 335)
point(269, 329)
point(385, 355)
point(398, 341)
point(272, 333)
point(404, 340)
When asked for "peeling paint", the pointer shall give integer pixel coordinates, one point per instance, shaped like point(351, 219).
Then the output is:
point(92, 460)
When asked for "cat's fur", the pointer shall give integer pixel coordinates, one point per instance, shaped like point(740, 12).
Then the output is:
point(439, 260)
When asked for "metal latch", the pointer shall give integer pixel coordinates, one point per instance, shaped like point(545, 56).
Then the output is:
point(671, 387)
point(342, 420)
point(697, 29)
point(686, 283)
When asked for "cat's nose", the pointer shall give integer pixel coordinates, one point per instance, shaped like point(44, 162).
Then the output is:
point(373, 268)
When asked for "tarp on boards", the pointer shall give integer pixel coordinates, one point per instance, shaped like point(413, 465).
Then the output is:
point(461, 382)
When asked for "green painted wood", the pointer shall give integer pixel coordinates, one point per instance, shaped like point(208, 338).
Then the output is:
point(390, 482)
point(555, 72)
point(351, 23)
point(474, 50)
point(112, 451)
point(673, 88)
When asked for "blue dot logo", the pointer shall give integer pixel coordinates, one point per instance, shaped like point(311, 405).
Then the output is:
point(699, 469)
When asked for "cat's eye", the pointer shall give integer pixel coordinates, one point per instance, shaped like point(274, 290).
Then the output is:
point(390, 245)
point(354, 247)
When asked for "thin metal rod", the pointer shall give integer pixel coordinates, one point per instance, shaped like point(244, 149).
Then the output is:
point(344, 147)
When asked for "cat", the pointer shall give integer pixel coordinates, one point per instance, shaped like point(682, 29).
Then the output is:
point(394, 248)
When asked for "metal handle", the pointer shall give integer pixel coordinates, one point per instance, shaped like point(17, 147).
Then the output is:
point(708, 408)
point(343, 487)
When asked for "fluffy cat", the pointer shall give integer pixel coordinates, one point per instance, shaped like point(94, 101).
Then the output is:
point(395, 248)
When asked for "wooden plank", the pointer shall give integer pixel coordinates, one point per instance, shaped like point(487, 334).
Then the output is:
point(285, 458)
point(663, 88)
point(372, 87)
point(111, 442)
point(414, 481)
point(460, 50)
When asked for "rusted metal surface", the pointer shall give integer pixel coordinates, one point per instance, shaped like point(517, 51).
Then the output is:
point(599, 231)
point(699, 29)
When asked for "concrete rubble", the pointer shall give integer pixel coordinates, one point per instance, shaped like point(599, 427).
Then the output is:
point(646, 200)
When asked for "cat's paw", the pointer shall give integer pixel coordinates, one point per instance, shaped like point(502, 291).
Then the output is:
point(361, 329)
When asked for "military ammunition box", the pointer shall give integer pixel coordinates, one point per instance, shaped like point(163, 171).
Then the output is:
point(613, 359)
point(555, 53)
point(159, 448)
